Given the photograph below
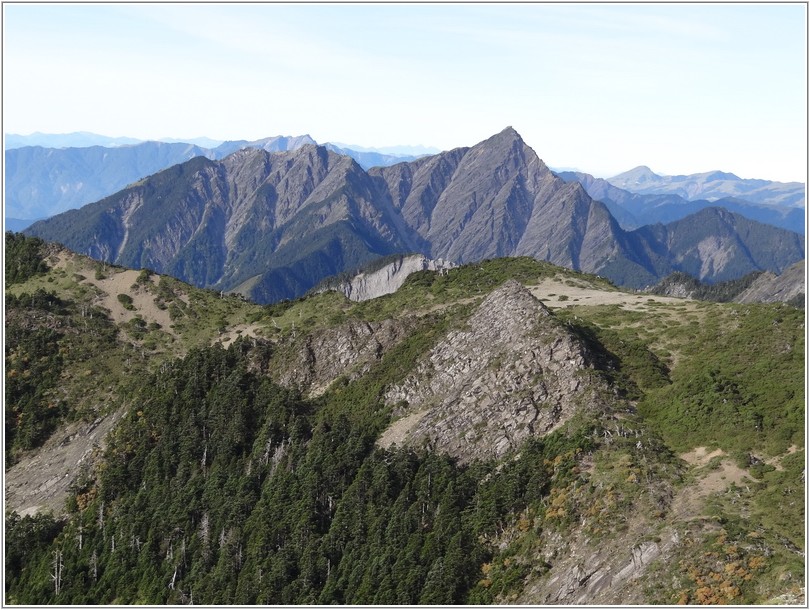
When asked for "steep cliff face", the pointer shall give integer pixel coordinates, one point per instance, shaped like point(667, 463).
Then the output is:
point(513, 372)
point(41, 483)
point(389, 278)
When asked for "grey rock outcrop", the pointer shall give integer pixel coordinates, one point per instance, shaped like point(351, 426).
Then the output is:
point(585, 572)
point(772, 288)
point(513, 372)
point(41, 483)
point(347, 350)
point(389, 279)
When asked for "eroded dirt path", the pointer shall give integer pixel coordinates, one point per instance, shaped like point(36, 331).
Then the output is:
point(688, 503)
point(240, 330)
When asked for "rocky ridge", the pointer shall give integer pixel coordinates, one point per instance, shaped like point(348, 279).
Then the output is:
point(512, 372)
point(772, 288)
point(347, 350)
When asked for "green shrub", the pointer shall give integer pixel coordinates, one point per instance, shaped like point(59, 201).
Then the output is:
point(126, 301)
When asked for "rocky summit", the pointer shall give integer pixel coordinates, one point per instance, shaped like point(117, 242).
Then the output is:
point(513, 372)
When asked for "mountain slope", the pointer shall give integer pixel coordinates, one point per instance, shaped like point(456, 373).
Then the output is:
point(42, 182)
point(719, 245)
point(758, 287)
point(787, 287)
point(270, 225)
point(533, 377)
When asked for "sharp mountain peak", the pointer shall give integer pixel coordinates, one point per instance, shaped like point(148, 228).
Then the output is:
point(639, 174)
point(506, 137)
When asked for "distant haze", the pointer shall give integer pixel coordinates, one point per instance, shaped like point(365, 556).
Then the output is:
point(682, 88)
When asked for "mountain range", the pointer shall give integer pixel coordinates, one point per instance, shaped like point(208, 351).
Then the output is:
point(711, 185)
point(273, 225)
point(757, 287)
point(50, 173)
point(633, 209)
point(64, 140)
point(43, 181)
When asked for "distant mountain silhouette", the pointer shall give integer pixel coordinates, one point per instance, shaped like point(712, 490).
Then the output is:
point(711, 185)
point(65, 140)
point(41, 182)
point(633, 210)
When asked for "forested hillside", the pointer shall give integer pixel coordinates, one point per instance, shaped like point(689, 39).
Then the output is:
point(247, 466)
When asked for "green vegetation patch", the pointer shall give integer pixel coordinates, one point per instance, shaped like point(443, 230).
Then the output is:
point(46, 339)
point(24, 258)
point(739, 386)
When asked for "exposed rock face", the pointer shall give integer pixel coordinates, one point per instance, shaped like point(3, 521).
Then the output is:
point(495, 199)
point(350, 349)
point(771, 288)
point(41, 484)
point(513, 372)
point(388, 279)
point(584, 572)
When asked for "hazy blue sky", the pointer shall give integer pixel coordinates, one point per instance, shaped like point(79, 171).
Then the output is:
point(601, 87)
